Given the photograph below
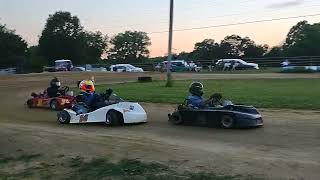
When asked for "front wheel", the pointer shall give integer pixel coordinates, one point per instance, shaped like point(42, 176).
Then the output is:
point(175, 118)
point(64, 117)
point(113, 118)
point(227, 121)
point(29, 103)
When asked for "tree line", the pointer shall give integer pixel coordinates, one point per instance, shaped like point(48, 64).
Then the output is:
point(63, 37)
point(303, 39)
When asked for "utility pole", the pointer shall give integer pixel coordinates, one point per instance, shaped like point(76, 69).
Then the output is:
point(169, 77)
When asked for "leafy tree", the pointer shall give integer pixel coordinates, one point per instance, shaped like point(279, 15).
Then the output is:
point(130, 46)
point(235, 46)
point(183, 55)
point(232, 46)
point(35, 62)
point(275, 52)
point(303, 39)
point(295, 34)
point(255, 51)
point(96, 45)
point(12, 48)
point(62, 38)
point(206, 50)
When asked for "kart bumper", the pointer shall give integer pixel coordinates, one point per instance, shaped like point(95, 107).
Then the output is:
point(134, 117)
point(249, 122)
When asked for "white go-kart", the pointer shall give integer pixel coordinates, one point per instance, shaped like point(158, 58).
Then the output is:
point(115, 112)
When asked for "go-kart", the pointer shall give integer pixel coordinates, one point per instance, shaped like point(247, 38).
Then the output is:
point(65, 99)
point(223, 114)
point(115, 112)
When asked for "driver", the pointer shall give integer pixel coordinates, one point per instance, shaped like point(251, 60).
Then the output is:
point(87, 91)
point(53, 90)
point(88, 95)
point(195, 98)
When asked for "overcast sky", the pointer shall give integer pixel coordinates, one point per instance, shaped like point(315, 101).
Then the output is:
point(29, 16)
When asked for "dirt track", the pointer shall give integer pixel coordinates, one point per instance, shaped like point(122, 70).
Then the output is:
point(287, 147)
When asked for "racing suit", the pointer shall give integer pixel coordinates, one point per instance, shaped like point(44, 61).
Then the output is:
point(53, 92)
point(92, 100)
point(196, 101)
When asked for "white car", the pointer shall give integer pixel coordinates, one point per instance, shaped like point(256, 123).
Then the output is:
point(241, 64)
point(117, 112)
point(125, 68)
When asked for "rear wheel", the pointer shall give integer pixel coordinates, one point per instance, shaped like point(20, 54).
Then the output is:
point(54, 105)
point(64, 117)
point(227, 121)
point(114, 118)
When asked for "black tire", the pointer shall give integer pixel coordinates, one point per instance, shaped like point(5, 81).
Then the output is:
point(227, 121)
point(54, 105)
point(176, 118)
point(114, 118)
point(29, 103)
point(63, 117)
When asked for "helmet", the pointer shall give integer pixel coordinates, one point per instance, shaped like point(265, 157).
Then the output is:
point(55, 82)
point(87, 86)
point(196, 89)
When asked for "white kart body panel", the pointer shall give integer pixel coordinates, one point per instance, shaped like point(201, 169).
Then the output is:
point(131, 112)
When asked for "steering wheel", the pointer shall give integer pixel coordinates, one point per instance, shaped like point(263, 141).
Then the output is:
point(215, 99)
point(64, 90)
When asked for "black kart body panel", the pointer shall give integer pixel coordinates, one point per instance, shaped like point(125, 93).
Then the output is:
point(244, 116)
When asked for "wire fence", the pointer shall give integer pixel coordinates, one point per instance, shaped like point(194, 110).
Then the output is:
point(266, 62)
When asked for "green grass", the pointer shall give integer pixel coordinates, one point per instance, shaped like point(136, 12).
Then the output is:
point(137, 170)
point(101, 168)
point(23, 158)
point(262, 93)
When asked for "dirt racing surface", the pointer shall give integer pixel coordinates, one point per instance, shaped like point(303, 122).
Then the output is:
point(287, 147)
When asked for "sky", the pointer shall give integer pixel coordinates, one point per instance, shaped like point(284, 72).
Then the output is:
point(28, 18)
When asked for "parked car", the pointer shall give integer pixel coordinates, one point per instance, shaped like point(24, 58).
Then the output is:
point(95, 68)
point(8, 71)
point(63, 65)
point(176, 66)
point(240, 64)
point(125, 68)
point(78, 69)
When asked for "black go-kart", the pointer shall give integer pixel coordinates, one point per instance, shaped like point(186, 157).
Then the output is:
point(217, 113)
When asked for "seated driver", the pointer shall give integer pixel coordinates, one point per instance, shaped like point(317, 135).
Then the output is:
point(88, 95)
point(196, 100)
point(53, 90)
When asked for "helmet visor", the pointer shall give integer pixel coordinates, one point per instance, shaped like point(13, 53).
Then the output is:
point(58, 83)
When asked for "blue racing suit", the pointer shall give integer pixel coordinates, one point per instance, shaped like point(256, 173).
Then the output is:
point(196, 101)
point(88, 98)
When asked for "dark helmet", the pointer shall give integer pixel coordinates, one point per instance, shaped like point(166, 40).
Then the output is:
point(196, 88)
point(55, 82)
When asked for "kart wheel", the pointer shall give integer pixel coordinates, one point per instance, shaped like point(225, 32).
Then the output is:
point(227, 121)
point(63, 117)
point(29, 103)
point(114, 118)
point(54, 105)
point(176, 118)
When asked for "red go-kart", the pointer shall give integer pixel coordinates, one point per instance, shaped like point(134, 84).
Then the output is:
point(64, 100)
